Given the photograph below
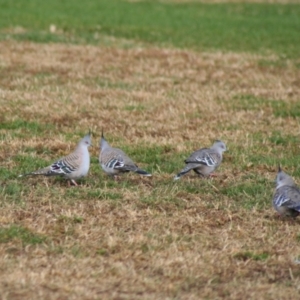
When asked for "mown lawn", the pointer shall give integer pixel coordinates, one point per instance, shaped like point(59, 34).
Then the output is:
point(238, 27)
point(160, 88)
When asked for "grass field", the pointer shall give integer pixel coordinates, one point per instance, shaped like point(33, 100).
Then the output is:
point(159, 94)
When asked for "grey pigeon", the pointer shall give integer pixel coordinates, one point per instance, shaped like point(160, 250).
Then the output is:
point(73, 166)
point(286, 200)
point(204, 161)
point(115, 161)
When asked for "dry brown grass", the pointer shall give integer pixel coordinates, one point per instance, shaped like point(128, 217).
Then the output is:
point(194, 247)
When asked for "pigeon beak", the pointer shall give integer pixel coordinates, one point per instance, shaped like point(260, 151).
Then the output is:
point(279, 169)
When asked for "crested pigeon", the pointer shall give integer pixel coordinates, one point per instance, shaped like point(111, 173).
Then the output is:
point(73, 166)
point(204, 161)
point(114, 161)
point(286, 200)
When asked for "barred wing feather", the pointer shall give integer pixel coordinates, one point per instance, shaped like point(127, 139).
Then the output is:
point(288, 197)
point(204, 157)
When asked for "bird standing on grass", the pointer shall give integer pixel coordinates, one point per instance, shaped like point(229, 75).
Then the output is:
point(114, 161)
point(204, 161)
point(286, 200)
point(73, 166)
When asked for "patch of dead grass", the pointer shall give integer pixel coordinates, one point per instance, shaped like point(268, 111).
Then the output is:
point(177, 244)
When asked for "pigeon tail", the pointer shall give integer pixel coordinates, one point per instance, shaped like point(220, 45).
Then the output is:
point(142, 172)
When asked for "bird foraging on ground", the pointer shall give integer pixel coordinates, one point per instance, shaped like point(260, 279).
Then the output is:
point(286, 200)
point(204, 161)
point(73, 166)
point(115, 161)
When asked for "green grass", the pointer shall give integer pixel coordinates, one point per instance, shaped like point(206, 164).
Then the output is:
point(229, 27)
point(280, 108)
point(29, 163)
point(18, 124)
point(12, 192)
point(19, 128)
point(249, 195)
point(157, 158)
point(19, 233)
point(135, 107)
point(277, 138)
point(250, 255)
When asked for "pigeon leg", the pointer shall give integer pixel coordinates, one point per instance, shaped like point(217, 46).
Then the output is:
point(74, 182)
